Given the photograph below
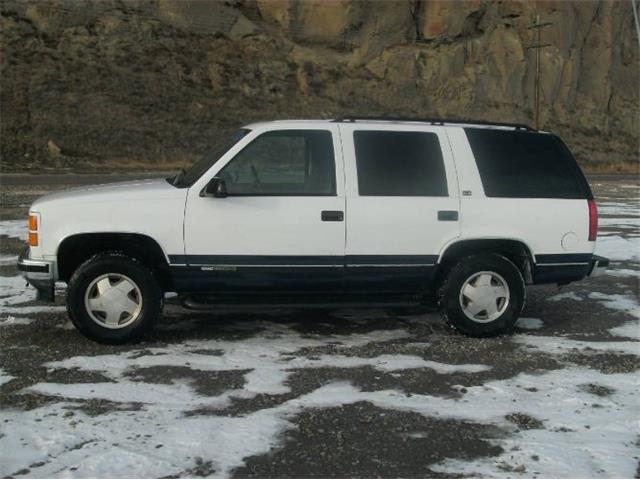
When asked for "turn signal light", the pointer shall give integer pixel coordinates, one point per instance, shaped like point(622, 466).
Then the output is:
point(33, 223)
point(33, 230)
point(33, 239)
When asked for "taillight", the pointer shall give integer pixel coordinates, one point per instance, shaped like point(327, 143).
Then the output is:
point(593, 220)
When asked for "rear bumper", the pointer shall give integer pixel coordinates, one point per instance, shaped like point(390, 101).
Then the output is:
point(599, 266)
point(39, 274)
point(563, 269)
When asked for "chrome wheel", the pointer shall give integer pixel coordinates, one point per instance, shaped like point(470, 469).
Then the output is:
point(113, 300)
point(484, 296)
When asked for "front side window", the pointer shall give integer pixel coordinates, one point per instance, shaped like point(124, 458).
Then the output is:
point(189, 177)
point(283, 162)
point(399, 164)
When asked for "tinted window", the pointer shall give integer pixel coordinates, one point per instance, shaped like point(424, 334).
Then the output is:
point(399, 164)
point(526, 165)
point(283, 162)
point(206, 162)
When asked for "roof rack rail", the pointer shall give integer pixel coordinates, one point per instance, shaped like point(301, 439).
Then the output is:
point(435, 121)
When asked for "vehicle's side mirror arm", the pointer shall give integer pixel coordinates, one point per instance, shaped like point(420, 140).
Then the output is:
point(216, 187)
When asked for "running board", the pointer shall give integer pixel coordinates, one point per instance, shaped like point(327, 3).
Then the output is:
point(202, 302)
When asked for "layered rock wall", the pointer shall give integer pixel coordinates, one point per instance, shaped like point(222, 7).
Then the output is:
point(150, 83)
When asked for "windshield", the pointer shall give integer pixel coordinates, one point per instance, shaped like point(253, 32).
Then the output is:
point(189, 177)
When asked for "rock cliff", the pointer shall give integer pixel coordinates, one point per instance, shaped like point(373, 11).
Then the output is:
point(106, 83)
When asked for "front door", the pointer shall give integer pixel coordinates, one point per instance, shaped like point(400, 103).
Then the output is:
point(281, 227)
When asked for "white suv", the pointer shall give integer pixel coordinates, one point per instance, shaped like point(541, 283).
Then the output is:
point(352, 210)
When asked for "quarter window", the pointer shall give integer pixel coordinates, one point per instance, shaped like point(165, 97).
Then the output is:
point(399, 164)
point(283, 162)
point(525, 165)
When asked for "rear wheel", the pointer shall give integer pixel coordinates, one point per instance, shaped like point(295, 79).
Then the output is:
point(113, 298)
point(482, 295)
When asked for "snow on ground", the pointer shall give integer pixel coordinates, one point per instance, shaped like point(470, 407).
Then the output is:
point(565, 296)
point(8, 259)
point(623, 303)
point(581, 422)
point(584, 435)
point(11, 320)
point(626, 304)
point(618, 248)
point(558, 345)
point(14, 290)
point(597, 433)
point(14, 293)
point(4, 377)
point(529, 323)
point(14, 229)
point(624, 272)
point(268, 358)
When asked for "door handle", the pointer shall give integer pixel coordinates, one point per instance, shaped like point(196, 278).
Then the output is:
point(447, 215)
point(332, 216)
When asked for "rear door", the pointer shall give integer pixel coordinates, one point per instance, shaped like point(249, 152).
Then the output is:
point(402, 204)
point(281, 227)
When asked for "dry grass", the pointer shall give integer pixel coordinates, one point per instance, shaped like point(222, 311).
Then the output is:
point(613, 168)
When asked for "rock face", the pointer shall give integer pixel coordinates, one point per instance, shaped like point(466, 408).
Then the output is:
point(104, 83)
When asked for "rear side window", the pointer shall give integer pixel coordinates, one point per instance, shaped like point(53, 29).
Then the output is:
point(399, 164)
point(526, 165)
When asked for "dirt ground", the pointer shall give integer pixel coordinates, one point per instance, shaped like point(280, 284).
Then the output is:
point(343, 393)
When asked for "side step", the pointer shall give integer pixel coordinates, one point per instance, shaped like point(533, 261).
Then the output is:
point(209, 302)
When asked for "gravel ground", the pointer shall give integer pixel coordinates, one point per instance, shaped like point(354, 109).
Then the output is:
point(343, 393)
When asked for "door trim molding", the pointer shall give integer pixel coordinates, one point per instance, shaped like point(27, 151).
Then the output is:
point(297, 261)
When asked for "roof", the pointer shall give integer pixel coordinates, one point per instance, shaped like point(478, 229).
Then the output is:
point(402, 120)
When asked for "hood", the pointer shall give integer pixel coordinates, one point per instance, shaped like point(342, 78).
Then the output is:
point(112, 192)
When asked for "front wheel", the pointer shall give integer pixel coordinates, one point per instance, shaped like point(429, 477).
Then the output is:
point(482, 295)
point(113, 298)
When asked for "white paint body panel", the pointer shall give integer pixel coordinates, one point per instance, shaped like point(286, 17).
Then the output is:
point(394, 225)
point(265, 225)
point(182, 222)
point(539, 223)
point(149, 207)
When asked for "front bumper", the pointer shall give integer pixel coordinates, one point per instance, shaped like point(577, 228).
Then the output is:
point(39, 274)
point(599, 266)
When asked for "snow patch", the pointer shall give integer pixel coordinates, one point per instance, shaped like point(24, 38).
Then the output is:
point(11, 320)
point(529, 323)
point(618, 248)
point(5, 377)
point(595, 441)
point(14, 292)
point(8, 259)
point(628, 330)
point(624, 272)
point(560, 345)
point(565, 296)
point(14, 229)
point(579, 440)
point(269, 358)
point(618, 302)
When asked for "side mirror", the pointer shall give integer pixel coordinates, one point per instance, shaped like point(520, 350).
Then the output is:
point(215, 188)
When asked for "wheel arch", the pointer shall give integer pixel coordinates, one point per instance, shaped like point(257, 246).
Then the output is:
point(75, 249)
point(516, 250)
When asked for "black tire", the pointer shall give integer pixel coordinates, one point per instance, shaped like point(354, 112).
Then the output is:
point(150, 303)
point(450, 300)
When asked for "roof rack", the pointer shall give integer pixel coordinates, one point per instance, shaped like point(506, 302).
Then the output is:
point(435, 121)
